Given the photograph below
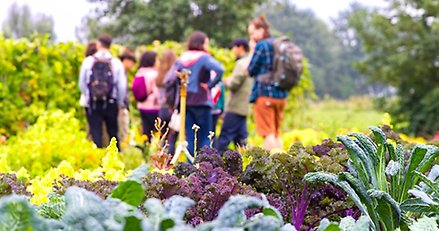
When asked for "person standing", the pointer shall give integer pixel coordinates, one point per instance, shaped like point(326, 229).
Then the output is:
point(90, 50)
point(166, 63)
point(144, 84)
point(199, 103)
point(102, 81)
point(128, 60)
point(234, 127)
point(269, 101)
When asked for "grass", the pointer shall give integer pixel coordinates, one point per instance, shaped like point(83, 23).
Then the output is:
point(331, 115)
point(313, 121)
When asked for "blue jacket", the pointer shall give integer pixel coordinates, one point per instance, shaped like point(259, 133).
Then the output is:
point(200, 64)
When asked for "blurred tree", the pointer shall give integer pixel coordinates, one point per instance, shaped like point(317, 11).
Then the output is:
point(136, 22)
point(401, 43)
point(330, 52)
point(20, 23)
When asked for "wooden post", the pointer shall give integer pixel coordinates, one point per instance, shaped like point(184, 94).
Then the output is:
point(182, 143)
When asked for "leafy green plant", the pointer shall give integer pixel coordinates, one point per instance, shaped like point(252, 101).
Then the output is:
point(17, 214)
point(346, 224)
point(281, 175)
point(379, 180)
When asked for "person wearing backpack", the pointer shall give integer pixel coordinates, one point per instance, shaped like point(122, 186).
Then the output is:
point(276, 67)
point(234, 127)
point(146, 93)
point(200, 63)
point(103, 83)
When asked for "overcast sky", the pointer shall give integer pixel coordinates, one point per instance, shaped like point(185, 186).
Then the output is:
point(67, 14)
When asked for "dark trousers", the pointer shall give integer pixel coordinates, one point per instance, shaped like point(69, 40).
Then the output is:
point(201, 116)
point(103, 113)
point(148, 122)
point(234, 129)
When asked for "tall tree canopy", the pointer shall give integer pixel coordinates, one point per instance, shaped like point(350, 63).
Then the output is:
point(21, 23)
point(136, 22)
point(401, 44)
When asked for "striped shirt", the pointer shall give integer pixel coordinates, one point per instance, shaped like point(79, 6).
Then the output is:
point(262, 63)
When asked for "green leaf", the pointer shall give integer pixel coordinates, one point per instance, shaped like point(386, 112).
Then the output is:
point(416, 205)
point(166, 224)
point(130, 192)
point(17, 214)
point(388, 210)
point(425, 224)
point(361, 191)
point(360, 160)
point(430, 156)
point(417, 155)
point(332, 178)
point(381, 154)
point(132, 224)
point(367, 144)
point(332, 227)
point(434, 186)
point(270, 212)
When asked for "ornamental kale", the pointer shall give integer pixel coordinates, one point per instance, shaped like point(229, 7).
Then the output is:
point(102, 188)
point(281, 175)
point(233, 162)
point(184, 169)
point(208, 184)
point(9, 184)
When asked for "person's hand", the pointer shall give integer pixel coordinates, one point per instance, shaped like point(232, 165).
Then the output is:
point(227, 81)
point(205, 86)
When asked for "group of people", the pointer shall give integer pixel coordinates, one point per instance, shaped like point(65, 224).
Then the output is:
point(104, 88)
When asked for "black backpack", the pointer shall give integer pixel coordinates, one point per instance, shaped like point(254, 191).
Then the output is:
point(288, 64)
point(101, 81)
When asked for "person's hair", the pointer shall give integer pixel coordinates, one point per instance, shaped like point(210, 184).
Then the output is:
point(261, 22)
point(241, 43)
point(196, 41)
point(105, 40)
point(148, 59)
point(91, 49)
point(128, 54)
point(166, 62)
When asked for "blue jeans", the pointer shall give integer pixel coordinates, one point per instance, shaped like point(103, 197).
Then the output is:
point(201, 116)
point(234, 130)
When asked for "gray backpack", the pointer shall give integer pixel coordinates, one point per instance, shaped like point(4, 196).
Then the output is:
point(288, 64)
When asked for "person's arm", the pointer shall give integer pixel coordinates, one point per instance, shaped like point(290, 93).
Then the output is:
point(255, 62)
point(212, 64)
point(121, 84)
point(238, 77)
point(82, 82)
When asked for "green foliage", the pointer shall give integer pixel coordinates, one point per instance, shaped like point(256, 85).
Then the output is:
point(223, 20)
point(401, 50)
point(54, 209)
point(376, 190)
point(17, 214)
point(346, 224)
point(130, 192)
point(282, 174)
point(36, 77)
point(425, 224)
point(56, 136)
